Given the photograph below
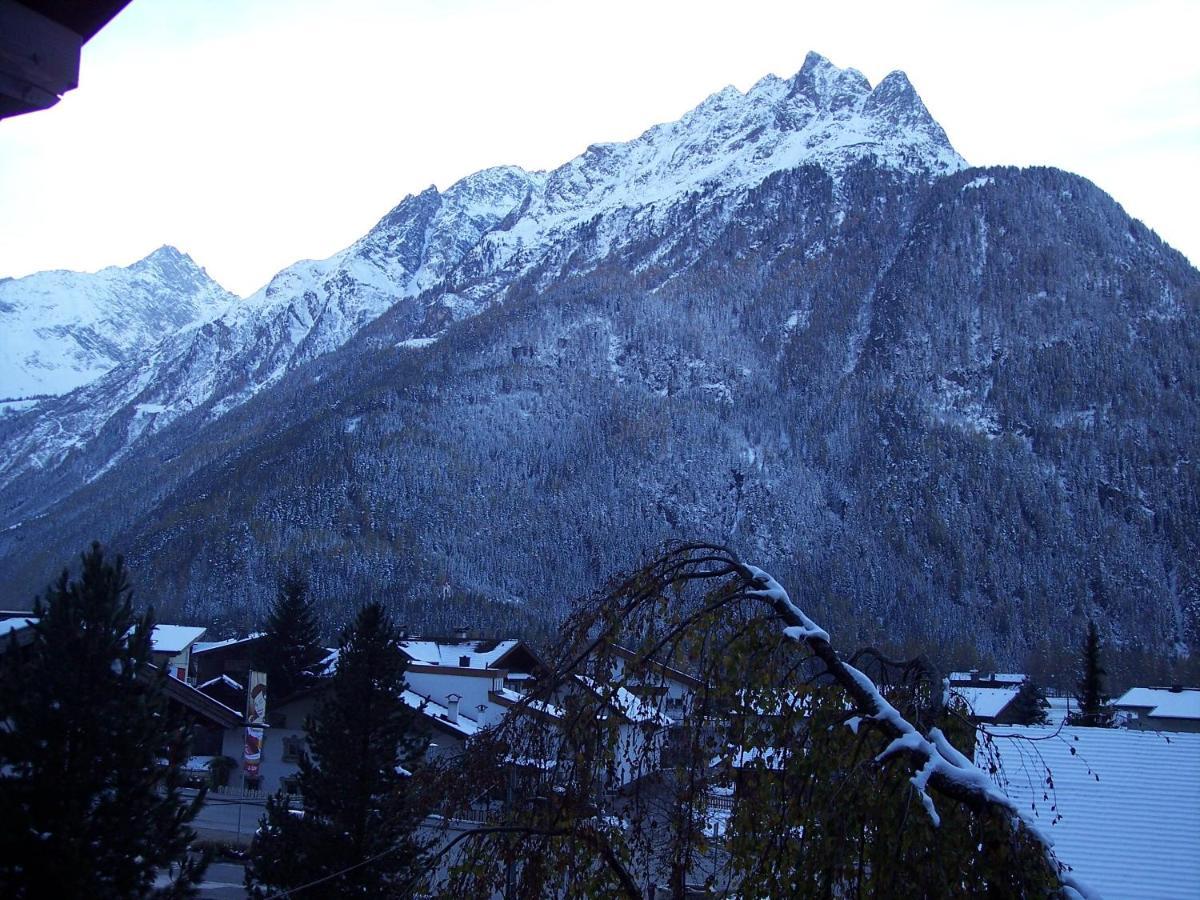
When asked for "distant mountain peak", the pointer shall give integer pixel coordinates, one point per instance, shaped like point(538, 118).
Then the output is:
point(827, 85)
point(61, 329)
point(446, 255)
point(167, 251)
point(166, 257)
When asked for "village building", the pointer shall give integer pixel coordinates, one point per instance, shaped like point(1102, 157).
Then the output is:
point(171, 648)
point(642, 729)
point(15, 626)
point(989, 695)
point(233, 657)
point(469, 677)
point(458, 685)
point(670, 690)
point(1122, 806)
point(1160, 708)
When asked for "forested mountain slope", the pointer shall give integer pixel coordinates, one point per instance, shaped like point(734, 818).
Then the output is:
point(949, 405)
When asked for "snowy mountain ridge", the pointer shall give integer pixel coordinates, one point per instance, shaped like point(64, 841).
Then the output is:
point(953, 406)
point(60, 329)
point(449, 255)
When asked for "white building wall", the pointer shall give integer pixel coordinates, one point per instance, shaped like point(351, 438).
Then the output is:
point(473, 689)
point(273, 768)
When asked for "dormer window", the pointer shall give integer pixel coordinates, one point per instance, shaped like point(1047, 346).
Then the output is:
point(465, 662)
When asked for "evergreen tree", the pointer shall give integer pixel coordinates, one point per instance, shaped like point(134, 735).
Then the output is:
point(87, 805)
point(1030, 705)
point(359, 800)
point(291, 645)
point(1093, 701)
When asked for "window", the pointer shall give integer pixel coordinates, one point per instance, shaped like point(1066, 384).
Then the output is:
point(293, 749)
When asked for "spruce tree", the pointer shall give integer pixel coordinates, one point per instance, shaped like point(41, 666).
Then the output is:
point(360, 803)
point(90, 750)
point(1030, 705)
point(1093, 701)
point(291, 645)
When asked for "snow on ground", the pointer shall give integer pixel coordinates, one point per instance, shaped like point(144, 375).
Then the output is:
point(1060, 708)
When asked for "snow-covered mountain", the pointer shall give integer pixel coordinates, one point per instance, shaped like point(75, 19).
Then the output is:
point(949, 406)
point(59, 330)
point(458, 250)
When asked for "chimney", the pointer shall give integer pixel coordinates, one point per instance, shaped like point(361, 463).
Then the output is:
point(464, 662)
point(402, 632)
point(452, 707)
point(460, 633)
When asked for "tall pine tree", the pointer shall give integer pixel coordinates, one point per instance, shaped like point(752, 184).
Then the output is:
point(90, 802)
point(291, 646)
point(360, 803)
point(1093, 701)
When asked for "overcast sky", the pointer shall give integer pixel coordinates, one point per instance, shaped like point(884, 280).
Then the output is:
point(253, 134)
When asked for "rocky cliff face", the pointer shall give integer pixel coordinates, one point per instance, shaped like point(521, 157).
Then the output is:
point(59, 330)
point(946, 404)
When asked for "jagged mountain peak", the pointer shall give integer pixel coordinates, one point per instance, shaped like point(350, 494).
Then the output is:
point(173, 267)
point(165, 253)
point(895, 94)
point(61, 329)
point(826, 85)
point(443, 255)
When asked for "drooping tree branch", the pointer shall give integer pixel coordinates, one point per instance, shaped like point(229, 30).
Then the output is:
point(939, 766)
point(698, 606)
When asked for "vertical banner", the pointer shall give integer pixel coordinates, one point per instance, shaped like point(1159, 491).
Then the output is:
point(252, 752)
point(256, 718)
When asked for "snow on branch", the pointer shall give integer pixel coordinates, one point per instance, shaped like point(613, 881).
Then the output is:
point(938, 764)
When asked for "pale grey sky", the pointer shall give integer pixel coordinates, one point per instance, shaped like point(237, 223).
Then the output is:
point(253, 134)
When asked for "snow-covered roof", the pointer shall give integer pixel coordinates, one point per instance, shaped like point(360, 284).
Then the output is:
point(667, 671)
point(174, 638)
point(512, 698)
point(1017, 678)
point(481, 654)
point(1129, 802)
point(329, 663)
point(222, 679)
point(1163, 702)
point(625, 702)
point(14, 624)
point(986, 702)
point(755, 757)
point(205, 646)
point(465, 725)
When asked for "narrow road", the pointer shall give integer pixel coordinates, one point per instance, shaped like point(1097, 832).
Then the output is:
point(228, 819)
point(223, 881)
